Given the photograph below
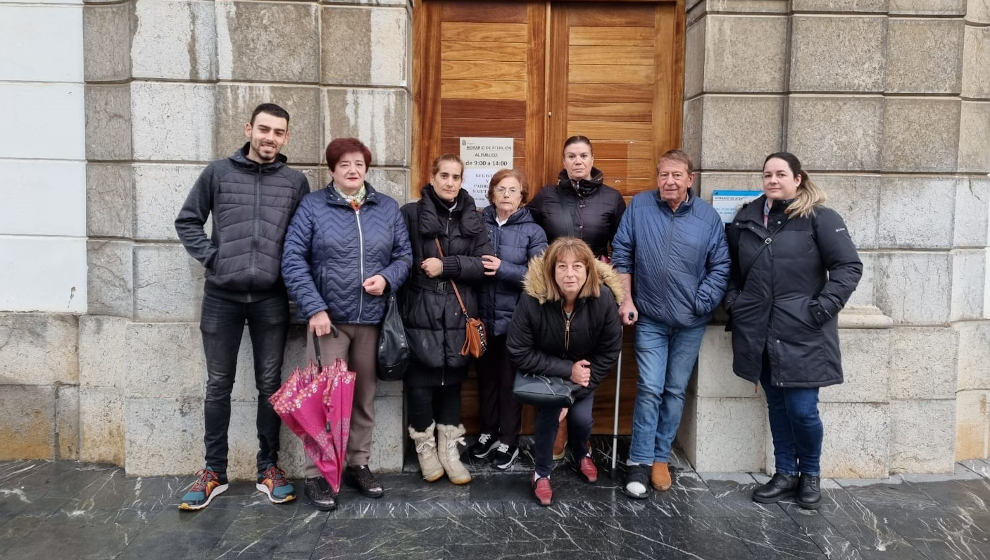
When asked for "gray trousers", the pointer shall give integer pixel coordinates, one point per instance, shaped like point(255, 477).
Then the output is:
point(358, 346)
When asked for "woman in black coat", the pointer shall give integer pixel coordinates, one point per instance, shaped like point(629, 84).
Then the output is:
point(566, 325)
point(433, 318)
point(580, 205)
point(794, 266)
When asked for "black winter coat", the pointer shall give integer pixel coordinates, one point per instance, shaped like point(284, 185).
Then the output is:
point(591, 212)
point(251, 204)
point(536, 341)
point(515, 242)
point(785, 295)
point(432, 317)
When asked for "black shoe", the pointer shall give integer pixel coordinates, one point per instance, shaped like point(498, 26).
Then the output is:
point(485, 445)
point(809, 493)
point(365, 482)
point(319, 493)
point(637, 481)
point(504, 455)
point(780, 486)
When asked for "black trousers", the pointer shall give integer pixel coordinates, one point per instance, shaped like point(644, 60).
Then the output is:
point(579, 424)
point(426, 404)
point(501, 413)
point(222, 325)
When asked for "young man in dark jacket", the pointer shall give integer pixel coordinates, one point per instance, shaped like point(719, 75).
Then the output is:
point(671, 254)
point(251, 195)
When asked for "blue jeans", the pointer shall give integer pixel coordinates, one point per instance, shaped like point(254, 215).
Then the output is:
point(795, 426)
point(665, 356)
point(222, 325)
point(578, 430)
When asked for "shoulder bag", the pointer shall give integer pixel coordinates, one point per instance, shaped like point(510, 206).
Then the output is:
point(393, 347)
point(475, 338)
point(544, 390)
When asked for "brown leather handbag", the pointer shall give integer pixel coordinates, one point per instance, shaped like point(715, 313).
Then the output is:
point(475, 337)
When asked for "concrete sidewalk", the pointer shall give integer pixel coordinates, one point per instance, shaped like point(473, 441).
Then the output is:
point(56, 510)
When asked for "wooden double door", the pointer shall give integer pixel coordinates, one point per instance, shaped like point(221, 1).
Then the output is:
point(539, 72)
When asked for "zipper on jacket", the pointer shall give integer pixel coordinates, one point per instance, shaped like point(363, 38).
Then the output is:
point(775, 351)
point(357, 216)
point(666, 251)
point(567, 329)
point(256, 232)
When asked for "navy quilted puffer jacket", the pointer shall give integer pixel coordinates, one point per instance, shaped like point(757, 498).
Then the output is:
point(515, 242)
point(331, 249)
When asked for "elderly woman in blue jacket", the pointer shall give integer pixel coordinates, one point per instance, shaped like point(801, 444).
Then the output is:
point(346, 247)
point(516, 239)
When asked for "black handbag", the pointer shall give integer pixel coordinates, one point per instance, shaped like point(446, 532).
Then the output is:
point(393, 346)
point(544, 390)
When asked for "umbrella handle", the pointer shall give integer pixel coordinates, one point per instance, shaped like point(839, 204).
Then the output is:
point(316, 344)
point(316, 348)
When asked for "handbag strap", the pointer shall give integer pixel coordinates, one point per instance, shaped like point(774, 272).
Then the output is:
point(766, 243)
point(452, 284)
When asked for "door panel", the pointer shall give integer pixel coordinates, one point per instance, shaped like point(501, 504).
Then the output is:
point(612, 61)
point(476, 78)
point(539, 72)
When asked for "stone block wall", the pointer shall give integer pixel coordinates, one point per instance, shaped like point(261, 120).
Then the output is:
point(42, 158)
point(886, 103)
point(168, 88)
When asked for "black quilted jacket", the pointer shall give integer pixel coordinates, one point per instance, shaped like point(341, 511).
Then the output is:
point(591, 212)
point(251, 205)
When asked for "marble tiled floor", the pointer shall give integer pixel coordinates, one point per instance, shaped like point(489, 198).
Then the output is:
point(67, 510)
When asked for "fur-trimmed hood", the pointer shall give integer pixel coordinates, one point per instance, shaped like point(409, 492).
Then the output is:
point(535, 285)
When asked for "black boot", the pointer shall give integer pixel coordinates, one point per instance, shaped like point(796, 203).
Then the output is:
point(779, 487)
point(320, 494)
point(809, 494)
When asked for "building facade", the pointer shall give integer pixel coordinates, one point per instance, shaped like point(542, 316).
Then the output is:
point(115, 107)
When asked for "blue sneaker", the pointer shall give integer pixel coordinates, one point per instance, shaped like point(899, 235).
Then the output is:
point(210, 485)
point(272, 483)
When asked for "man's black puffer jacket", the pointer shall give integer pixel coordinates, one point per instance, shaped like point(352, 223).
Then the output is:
point(251, 204)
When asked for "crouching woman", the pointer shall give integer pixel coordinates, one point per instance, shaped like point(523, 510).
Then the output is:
point(566, 325)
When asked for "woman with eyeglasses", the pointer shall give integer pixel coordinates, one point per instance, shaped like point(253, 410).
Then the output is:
point(516, 239)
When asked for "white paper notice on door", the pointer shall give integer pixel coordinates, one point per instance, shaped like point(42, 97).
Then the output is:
point(482, 158)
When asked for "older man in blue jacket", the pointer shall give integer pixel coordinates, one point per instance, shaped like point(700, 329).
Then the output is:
point(671, 254)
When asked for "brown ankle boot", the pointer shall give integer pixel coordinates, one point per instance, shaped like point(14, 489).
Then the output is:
point(660, 477)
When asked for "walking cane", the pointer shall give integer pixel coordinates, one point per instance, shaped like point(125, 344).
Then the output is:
point(615, 421)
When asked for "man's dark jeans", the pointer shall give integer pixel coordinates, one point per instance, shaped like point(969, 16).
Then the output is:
point(222, 325)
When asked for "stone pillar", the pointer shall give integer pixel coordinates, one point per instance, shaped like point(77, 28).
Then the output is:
point(971, 237)
point(169, 88)
point(42, 227)
point(882, 101)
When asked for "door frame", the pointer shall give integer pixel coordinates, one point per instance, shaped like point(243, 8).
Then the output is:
point(541, 131)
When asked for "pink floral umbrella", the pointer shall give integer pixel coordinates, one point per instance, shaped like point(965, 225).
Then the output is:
point(316, 403)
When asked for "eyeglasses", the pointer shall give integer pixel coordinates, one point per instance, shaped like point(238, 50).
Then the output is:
point(510, 190)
